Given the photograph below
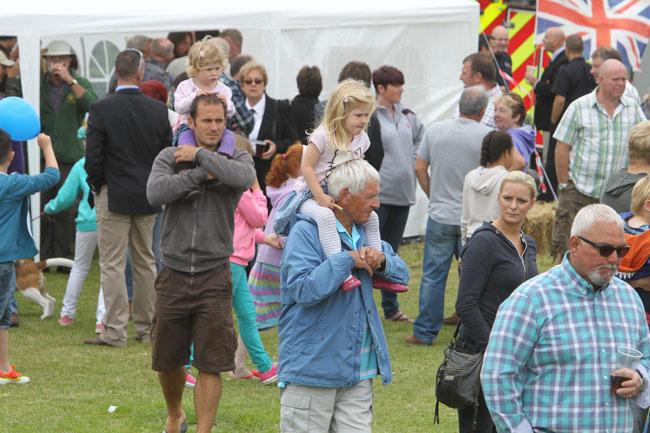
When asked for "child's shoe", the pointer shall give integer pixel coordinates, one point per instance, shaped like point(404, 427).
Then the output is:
point(270, 376)
point(12, 377)
point(66, 320)
point(381, 284)
point(190, 381)
point(350, 283)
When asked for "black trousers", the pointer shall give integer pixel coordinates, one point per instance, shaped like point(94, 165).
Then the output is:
point(58, 230)
point(392, 220)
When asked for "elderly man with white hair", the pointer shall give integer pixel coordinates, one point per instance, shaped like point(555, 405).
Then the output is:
point(555, 359)
point(332, 343)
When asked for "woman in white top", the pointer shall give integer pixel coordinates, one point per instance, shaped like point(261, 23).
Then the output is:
point(481, 186)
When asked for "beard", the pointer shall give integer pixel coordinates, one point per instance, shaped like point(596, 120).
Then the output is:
point(597, 279)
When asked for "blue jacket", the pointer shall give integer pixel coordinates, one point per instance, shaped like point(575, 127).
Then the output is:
point(75, 184)
point(16, 242)
point(321, 327)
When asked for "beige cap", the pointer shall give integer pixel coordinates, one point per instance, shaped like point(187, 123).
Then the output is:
point(58, 48)
point(4, 61)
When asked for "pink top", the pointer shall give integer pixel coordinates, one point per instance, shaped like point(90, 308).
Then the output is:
point(250, 216)
point(186, 92)
point(329, 158)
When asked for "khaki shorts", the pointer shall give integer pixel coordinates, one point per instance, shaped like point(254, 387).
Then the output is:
point(326, 410)
point(194, 308)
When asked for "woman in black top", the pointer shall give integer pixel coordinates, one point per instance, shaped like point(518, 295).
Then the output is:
point(310, 84)
point(273, 131)
point(495, 260)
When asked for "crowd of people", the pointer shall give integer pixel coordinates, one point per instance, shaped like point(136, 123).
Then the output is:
point(204, 195)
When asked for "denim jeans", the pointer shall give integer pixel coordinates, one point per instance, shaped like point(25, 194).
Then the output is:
point(442, 241)
point(7, 286)
point(392, 220)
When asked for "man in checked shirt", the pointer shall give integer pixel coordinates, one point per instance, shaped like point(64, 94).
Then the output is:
point(553, 345)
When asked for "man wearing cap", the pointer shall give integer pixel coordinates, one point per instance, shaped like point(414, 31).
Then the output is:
point(65, 99)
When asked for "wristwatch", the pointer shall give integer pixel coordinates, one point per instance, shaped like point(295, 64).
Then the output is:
point(562, 186)
point(73, 82)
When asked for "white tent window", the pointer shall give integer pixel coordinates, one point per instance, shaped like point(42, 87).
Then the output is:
point(101, 66)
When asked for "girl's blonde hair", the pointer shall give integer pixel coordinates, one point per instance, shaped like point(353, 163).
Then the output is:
point(640, 193)
point(348, 95)
point(522, 179)
point(203, 53)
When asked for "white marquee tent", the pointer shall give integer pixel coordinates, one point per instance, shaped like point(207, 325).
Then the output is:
point(426, 39)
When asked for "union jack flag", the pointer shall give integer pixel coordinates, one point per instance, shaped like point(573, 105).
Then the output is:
point(622, 24)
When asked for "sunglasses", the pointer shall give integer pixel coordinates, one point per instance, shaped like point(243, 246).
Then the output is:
point(606, 250)
point(136, 51)
point(255, 81)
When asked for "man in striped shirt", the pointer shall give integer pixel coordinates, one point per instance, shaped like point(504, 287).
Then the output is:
point(479, 70)
point(554, 342)
point(591, 145)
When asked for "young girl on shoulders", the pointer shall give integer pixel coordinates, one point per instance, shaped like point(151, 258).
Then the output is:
point(339, 138)
point(205, 67)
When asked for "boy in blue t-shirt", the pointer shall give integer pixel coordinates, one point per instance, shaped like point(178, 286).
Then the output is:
point(16, 242)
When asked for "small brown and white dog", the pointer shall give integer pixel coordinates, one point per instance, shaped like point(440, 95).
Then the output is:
point(31, 282)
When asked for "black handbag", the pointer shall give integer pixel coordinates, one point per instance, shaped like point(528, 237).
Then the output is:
point(458, 382)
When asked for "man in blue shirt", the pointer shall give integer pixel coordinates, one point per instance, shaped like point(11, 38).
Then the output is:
point(332, 343)
point(553, 346)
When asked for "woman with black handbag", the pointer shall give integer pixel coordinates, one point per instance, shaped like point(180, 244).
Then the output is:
point(494, 261)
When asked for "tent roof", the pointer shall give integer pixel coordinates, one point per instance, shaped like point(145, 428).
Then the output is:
point(128, 16)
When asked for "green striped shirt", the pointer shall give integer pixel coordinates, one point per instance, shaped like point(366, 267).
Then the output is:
point(598, 143)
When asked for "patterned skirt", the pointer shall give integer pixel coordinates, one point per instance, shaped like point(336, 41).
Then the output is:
point(264, 284)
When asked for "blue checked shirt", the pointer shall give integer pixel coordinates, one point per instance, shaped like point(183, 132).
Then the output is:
point(242, 120)
point(552, 349)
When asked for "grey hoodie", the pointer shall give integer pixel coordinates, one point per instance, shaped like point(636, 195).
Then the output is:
point(480, 198)
point(617, 191)
point(197, 235)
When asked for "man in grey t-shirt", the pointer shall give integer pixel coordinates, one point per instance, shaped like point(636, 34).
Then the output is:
point(450, 149)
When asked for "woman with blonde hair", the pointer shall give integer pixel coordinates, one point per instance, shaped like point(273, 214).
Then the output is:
point(494, 261)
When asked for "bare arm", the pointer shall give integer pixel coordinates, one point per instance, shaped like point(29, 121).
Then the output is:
point(422, 173)
point(558, 106)
point(45, 143)
point(518, 161)
point(562, 151)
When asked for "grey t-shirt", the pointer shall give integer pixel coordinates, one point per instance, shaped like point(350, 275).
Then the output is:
point(452, 148)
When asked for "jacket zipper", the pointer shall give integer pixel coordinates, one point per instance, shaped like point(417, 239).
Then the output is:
point(521, 257)
point(194, 223)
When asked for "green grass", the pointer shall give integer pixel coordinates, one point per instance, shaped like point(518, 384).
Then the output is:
point(73, 385)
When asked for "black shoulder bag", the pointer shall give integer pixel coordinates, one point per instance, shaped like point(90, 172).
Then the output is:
point(458, 382)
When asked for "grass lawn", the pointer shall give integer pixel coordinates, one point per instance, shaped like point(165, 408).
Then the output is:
point(73, 385)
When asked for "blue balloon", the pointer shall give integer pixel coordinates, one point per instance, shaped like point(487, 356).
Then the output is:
point(19, 119)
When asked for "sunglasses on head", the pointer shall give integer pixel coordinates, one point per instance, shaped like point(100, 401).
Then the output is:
point(606, 250)
point(248, 82)
point(136, 51)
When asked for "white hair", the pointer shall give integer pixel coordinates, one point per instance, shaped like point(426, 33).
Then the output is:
point(353, 175)
point(592, 214)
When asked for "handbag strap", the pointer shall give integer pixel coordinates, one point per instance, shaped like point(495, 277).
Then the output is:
point(455, 336)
